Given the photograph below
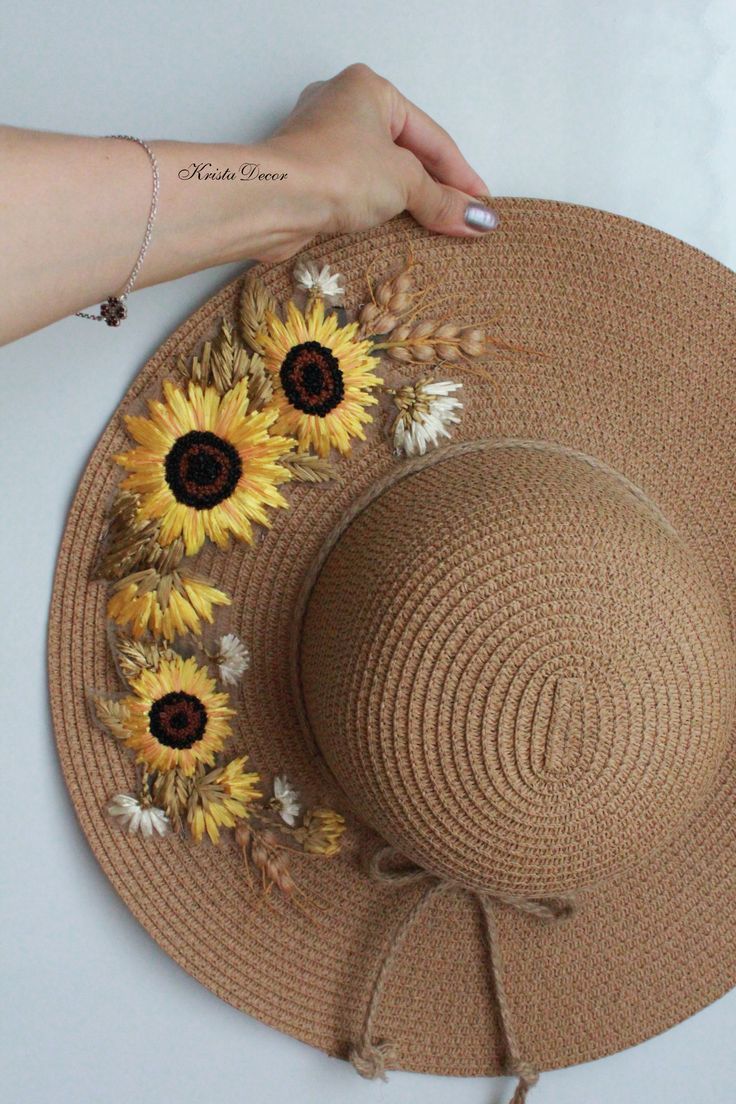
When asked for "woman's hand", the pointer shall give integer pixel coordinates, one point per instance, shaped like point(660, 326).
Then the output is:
point(354, 153)
point(371, 153)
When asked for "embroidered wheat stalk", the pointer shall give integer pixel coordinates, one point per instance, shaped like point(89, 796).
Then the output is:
point(135, 656)
point(255, 301)
point(431, 341)
point(131, 543)
point(391, 301)
point(272, 860)
point(222, 363)
point(172, 790)
point(428, 340)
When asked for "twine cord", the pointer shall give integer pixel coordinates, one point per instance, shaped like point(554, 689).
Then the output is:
point(371, 1058)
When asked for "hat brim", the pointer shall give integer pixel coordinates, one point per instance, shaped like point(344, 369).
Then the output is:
point(640, 335)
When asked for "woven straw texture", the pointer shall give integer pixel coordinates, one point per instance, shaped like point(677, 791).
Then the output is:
point(460, 593)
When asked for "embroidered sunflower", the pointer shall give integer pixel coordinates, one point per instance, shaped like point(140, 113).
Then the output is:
point(166, 606)
point(221, 798)
point(323, 378)
point(175, 718)
point(205, 467)
point(321, 832)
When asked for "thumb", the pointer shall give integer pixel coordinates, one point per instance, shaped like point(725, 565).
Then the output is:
point(447, 210)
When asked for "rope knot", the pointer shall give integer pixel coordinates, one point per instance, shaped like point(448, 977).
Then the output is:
point(524, 1071)
point(528, 1077)
point(369, 1059)
point(560, 908)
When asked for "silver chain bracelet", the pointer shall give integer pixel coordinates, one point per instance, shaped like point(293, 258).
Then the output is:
point(114, 310)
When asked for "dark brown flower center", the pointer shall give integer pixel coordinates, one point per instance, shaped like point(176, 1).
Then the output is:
point(312, 378)
point(202, 469)
point(177, 720)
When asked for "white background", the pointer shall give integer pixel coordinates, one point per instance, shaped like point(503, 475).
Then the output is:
point(627, 106)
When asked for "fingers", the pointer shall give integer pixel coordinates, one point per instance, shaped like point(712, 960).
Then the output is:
point(441, 186)
point(309, 90)
point(441, 208)
point(433, 146)
point(389, 152)
point(412, 129)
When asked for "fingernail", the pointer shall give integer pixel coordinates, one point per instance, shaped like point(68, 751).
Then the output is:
point(480, 217)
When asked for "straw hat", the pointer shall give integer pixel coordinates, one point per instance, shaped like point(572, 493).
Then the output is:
point(488, 710)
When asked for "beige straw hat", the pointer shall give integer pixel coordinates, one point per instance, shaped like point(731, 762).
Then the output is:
point(481, 662)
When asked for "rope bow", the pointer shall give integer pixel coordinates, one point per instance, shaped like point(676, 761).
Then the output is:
point(370, 1059)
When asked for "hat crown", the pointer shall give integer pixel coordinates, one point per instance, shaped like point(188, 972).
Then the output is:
point(517, 671)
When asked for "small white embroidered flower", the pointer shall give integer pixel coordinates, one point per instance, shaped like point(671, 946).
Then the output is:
point(133, 816)
point(232, 658)
point(322, 282)
point(426, 409)
point(285, 800)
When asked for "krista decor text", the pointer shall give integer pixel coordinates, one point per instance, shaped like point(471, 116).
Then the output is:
point(204, 170)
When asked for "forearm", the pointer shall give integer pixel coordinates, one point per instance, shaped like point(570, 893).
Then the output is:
point(52, 266)
point(352, 153)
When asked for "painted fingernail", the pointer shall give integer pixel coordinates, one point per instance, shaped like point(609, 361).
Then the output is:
point(479, 217)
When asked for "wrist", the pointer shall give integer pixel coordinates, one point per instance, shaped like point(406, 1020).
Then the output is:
point(264, 200)
point(302, 204)
point(224, 203)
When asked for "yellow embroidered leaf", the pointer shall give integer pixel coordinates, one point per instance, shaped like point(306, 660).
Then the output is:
point(309, 468)
point(112, 715)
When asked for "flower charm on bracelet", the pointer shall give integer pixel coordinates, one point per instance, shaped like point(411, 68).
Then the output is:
point(114, 311)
